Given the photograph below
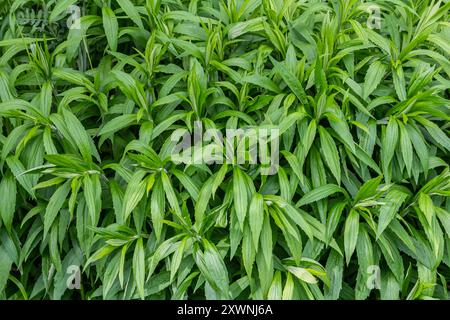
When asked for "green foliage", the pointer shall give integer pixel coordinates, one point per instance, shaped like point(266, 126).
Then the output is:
point(87, 181)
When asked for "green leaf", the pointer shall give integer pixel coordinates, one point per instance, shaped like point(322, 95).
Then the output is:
point(256, 217)
point(55, 204)
point(240, 196)
point(368, 189)
point(111, 27)
point(389, 209)
point(291, 80)
point(334, 216)
point(435, 132)
point(390, 141)
point(302, 274)
point(239, 28)
point(117, 124)
point(5, 267)
point(426, 206)
point(79, 136)
point(8, 191)
point(351, 230)
point(275, 290)
point(339, 123)
point(170, 194)
point(188, 184)
point(53, 248)
point(99, 254)
point(213, 268)
point(406, 147)
point(131, 88)
point(319, 193)
point(133, 194)
point(157, 208)
point(139, 267)
point(131, 12)
point(419, 146)
point(399, 82)
point(262, 82)
point(330, 153)
point(177, 257)
point(60, 8)
point(92, 194)
point(374, 76)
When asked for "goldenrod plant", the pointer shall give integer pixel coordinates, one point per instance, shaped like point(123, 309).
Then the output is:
point(224, 149)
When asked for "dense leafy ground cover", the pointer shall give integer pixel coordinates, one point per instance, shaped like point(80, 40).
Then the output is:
point(93, 207)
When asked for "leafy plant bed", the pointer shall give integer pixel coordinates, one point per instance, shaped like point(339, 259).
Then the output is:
point(119, 179)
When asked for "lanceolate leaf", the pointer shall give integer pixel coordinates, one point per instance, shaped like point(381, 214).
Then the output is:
point(5, 267)
point(389, 209)
point(240, 196)
point(302, 274)
point(291, 80)
point(351, 230)
point(319, 193)
point(55, 204)
point(406, 147)
point(8, 203)
point(373, 77)
point(330, 153)
point(134, 193)
point(111, 27)
point(256, 217)
point(390, 141)
point(213, 268)
point(157, 207)
point(131, 12)
point(139, 267)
